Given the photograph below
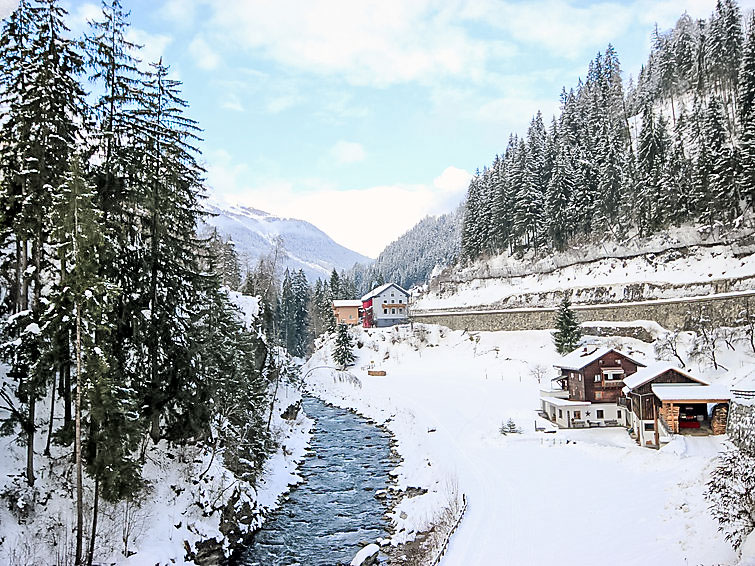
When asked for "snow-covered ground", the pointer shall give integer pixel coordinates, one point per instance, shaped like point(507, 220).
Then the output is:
point(673, 259)
point(573, 497)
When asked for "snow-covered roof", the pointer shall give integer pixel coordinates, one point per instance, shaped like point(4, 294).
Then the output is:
point(564, 402)
point(586, 355)
point(690, 392)
point(378, 290)
point(745, 381)
point(652, 371)
point(347, 303)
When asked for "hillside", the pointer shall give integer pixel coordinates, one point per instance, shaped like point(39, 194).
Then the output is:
point(432, 244)
point(682, 262)
point(304, 246)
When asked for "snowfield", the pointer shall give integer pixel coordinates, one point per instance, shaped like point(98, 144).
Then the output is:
point(574, 497)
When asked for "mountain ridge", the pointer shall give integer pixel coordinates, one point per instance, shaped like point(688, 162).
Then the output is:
point(255, 233)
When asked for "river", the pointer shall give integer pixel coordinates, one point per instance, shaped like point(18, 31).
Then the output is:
point(329, 517)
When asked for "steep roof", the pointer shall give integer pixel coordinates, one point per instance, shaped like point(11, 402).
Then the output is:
point(690, 392)
point(347, 303)
point(378, 290)
point(744, 380)
point(584, 356)
point(654, 370)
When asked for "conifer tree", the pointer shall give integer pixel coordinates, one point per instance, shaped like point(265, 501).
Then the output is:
point(342, 354)
point(568, 332)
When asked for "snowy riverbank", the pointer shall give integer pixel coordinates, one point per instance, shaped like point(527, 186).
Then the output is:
point(530, 495)
point(179, 512)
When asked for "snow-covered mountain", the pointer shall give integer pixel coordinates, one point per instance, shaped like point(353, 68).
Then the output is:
point(254, 233)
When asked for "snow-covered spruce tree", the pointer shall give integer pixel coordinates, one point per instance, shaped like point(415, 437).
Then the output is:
point(46, 109)
point(167, 380)
point(731, 493)
point(342, 353)
point(568, 332)
point(106, 432)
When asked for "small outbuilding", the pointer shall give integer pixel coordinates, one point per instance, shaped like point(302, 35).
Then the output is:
point(347, 312)
point(666, 400)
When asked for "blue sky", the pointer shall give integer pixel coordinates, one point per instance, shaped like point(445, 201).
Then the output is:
point(315, 109)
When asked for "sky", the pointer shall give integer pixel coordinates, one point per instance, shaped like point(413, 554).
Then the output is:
point(363, 117)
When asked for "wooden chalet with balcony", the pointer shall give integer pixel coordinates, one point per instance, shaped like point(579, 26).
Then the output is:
point(588, 388)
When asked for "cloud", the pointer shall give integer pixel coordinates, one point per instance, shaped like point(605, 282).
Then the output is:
point(179, 12)
point(340, 213)
point(7, 7)
point(205, 56)
point(232, 102)
point(153, 45)
point(347, 152)
point(375, 42)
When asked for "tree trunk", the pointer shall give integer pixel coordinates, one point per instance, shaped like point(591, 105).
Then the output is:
point(77, 441)
point(67, 416)
point(95, 510)
point(30, 440)
point(52, 416)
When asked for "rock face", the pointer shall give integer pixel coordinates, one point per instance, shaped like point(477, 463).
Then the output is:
point(368, 556)
point(291, 412)
point(741, 426)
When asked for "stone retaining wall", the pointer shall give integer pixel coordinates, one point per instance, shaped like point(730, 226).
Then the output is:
point(674, 314)
point(741, 427)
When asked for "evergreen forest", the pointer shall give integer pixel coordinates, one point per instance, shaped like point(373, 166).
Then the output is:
point(677, 145)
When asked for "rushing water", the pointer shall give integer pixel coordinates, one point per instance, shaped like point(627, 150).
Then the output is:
point(333, 513)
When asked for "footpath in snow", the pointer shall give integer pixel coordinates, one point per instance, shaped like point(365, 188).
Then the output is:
point(574, 497)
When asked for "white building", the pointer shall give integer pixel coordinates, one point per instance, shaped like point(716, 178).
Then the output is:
point(385, 306)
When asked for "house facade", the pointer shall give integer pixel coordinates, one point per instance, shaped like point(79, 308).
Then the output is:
point(588, 388)
point(386, 305)
point(664, 400)
point(347, 312)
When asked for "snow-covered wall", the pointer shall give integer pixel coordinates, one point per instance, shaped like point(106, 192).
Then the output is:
point(671, 314)
point(741, 426)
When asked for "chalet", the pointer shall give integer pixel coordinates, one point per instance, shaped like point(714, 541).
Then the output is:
point(347, 312)
point(664, 400)
point(588, 388)
point(386, 305)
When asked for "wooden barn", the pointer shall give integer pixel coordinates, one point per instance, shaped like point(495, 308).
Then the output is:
point(666, 400)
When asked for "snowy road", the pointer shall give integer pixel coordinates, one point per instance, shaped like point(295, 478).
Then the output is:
point(533, 499)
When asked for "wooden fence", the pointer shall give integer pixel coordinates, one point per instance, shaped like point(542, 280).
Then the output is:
point(444, 548)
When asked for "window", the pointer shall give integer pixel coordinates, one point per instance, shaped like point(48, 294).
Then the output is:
point(560, 414)
point(580, 377)
point(400, 301)
point(618, 414)
point(391, 294)
point(401, 311)
point(597, 378)
point(385, 311)
point(598, 395)
point(393, 311)
point(351, 316)
point(649, 427)
point(577, 415)
point(599, 414)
